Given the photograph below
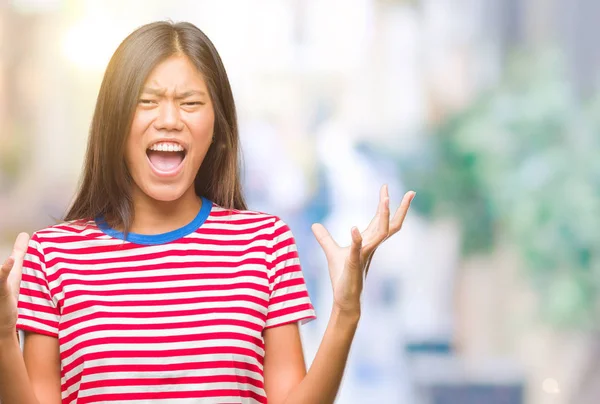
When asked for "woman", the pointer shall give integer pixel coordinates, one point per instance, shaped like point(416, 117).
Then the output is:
point(160, 286)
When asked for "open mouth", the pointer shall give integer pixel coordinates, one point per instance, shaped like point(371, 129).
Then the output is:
point(166, 157)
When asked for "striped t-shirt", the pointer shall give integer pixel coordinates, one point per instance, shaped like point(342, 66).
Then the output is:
point(170, 318)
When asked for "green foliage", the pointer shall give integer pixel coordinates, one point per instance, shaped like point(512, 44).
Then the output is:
point(522, 163)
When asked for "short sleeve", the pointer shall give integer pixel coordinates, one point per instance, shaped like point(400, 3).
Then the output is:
point(289, 301)
point(38, 312)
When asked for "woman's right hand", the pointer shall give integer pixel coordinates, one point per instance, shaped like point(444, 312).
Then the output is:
point(10, 281)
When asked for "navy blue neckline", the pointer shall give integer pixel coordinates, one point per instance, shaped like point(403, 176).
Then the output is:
point(154, 239)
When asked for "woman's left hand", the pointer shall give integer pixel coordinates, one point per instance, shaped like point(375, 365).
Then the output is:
point(349, 266)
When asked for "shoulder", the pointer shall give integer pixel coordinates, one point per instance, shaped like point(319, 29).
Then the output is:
point(52, 238)
point(251, 220)
point(241, 217)
point(66, 231)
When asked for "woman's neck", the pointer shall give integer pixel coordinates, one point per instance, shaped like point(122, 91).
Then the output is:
point(157, 217)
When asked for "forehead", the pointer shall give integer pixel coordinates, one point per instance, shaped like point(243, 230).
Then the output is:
point(176, 73)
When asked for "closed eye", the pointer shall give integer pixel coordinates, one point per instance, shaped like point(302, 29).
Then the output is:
point(192, 103)
point(146, 102)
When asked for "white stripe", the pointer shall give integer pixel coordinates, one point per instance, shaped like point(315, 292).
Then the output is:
point(145, 283)
point(64, 249)
point(228, 275)
point(242, 227)
point(290, 318)
point(167, 361)
point(165, 346)
point(164, 388)
point(111, 361)
point(122, 263)
point(154, 309)
point(160, 320)
point(166, 374)
point(218, 400)
point(36, 325)
point(171, 332)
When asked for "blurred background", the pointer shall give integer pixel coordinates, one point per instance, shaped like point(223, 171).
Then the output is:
point(489, 109)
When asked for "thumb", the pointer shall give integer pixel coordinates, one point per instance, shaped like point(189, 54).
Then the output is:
point(327, 242)
point(355, 249)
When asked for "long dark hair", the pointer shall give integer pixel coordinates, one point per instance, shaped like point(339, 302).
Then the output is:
point(105, 187)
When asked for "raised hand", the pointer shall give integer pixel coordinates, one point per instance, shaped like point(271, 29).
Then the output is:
point(10, 280)
point(348, 266)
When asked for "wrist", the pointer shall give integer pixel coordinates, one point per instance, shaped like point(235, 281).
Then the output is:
point(345, 316)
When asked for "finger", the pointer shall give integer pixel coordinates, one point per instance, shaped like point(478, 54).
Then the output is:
point(384, 216)
point(18, 254)
point(400, 215)
point(6, 268)
point(20, 247)
point(383, 194)
point(327, 242)
point(355, 249)
point(373, 233)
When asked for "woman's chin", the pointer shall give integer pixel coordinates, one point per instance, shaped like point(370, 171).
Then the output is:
point(167, 193)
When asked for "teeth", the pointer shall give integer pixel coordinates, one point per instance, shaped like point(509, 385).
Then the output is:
point(167, 147)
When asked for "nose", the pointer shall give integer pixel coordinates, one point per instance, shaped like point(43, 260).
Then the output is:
point(169, 118)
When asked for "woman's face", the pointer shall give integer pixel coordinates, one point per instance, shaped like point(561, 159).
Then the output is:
point(171, 132)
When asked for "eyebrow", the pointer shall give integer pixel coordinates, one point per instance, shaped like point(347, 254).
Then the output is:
point(178, 96)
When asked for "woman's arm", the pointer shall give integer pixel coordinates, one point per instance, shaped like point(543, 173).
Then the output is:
point(33, 373)
point(284, 366)
point(348, 268)
point(41, 355)
point(286, 380)
point(15, 386)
